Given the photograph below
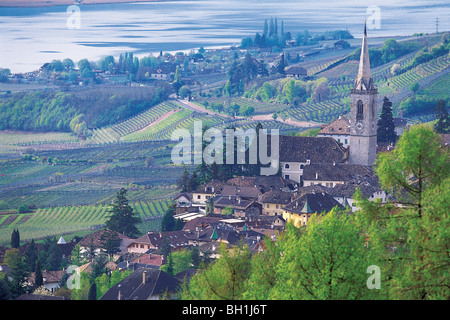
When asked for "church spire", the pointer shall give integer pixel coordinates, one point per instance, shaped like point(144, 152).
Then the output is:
point(364, 80)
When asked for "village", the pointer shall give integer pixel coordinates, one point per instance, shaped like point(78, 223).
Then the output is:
point(317, 174)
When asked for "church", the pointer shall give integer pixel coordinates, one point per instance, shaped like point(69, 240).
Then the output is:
point(360, 150)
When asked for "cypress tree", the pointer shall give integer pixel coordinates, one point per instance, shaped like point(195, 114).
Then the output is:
point(38, 278)
point(385, 130)
point(93, 292)
point(443, 119)
point(15, 239)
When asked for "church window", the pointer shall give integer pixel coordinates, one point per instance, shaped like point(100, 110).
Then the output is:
point(360, 110)
point(286, 166)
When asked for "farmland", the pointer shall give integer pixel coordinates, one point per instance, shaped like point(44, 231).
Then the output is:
point(69, 219)
point(68, 182)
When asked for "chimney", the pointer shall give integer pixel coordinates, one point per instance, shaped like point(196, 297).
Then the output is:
point(212, 189)
point(118, 295)
point(144, 275)
point(317, 175)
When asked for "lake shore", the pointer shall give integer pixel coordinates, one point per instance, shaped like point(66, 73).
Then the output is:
point(50, 3)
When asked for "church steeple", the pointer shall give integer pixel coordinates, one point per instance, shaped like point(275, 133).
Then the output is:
point(363, 112)
point(364, 79)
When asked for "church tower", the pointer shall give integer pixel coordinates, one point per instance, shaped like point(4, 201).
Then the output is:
point(363, 112)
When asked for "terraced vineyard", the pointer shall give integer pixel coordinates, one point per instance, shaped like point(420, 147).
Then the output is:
point(183, 119)
point(114, 133)
point(62, 220)
point(260, 107)
point(322, 112)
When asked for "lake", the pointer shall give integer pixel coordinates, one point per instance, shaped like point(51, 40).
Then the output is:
point(32, 36)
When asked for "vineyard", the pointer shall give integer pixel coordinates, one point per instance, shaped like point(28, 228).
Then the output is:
point(139, 122)
point(63, 220)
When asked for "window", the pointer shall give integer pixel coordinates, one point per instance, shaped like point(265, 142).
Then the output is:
point(286, 176)
point(199, 197)
point(346, 141)
point(360, 110)
point(286, 166)
point(302, 166)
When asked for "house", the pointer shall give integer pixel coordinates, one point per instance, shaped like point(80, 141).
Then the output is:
point(245, 193)
point(183, 202)
point(241, 207)
point(154, 240)
point(163, 71)
point(264, 183)
point(331, 174)
point(205, 192)
point(144, 284)
point(51, 279)
point(94, 240)
point(400, 126)
point(273, 202)
point(298, 152)
point(300, 210)
point(296, 72)
point(339, 130)
point(369, 186)
point(32, 296)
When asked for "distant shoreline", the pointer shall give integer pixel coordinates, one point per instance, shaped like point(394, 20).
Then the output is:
point(51, 3)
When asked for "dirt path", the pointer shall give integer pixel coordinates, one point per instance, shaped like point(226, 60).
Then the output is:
point(300, 124)
point(164, 116)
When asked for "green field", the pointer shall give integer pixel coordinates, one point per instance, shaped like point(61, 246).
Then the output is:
point(64, 220)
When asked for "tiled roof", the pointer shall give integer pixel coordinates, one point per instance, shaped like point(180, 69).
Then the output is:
point(234, 202)
point(368, 187)
point(244, 192)
point(313, 202)
point(335, 172)
point(339, 126)
point(212, 187)
point(315, 149)
point(95, 238)
point(276, 196)
point(174, 238)
point(265, 183)
point(141, 285)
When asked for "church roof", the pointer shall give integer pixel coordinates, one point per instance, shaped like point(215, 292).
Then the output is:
point(364, 79)
point(315, 149)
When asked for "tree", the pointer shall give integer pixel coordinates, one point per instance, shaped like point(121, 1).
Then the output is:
point(15, 239)
point(183, 181)
point(5, 293)
point(185, 92)
point(327, 261)
point(415, 87)
point(110, 242)
point(224, 280)
point(385, 130)
point(31, 256)
point(168, 221)
point(122, 218)
point(38, 279)
point(19, 274)
point(51, 256)
point(442, 124)
point(412, 240)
